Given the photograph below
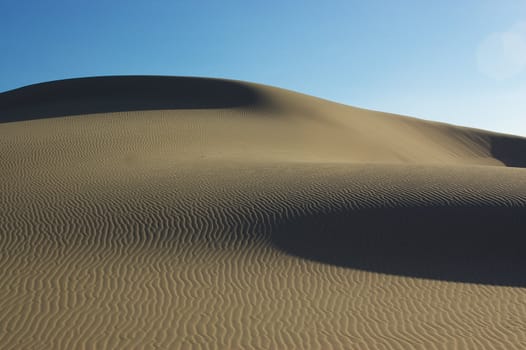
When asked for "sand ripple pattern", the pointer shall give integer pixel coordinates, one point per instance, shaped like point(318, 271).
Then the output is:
point(154, 230)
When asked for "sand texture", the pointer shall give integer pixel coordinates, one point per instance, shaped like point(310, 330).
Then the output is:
point(190, 213)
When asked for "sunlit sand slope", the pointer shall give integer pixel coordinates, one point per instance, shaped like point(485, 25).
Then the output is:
point(156, 212)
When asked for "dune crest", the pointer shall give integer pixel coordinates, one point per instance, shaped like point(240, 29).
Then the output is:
point(174, 212)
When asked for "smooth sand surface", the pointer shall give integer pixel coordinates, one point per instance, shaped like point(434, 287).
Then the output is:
point(178, 213)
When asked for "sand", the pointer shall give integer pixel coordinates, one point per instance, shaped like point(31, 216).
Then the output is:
point(177, 213)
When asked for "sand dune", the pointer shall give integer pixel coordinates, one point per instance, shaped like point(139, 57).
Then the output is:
point(175, 213)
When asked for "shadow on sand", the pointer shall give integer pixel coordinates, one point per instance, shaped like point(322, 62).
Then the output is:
point(122, 93)
point(475, 245)
point(510, 150)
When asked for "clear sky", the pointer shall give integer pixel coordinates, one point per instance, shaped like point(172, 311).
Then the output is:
point(462, 62)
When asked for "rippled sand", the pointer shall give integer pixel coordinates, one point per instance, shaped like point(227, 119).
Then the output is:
point(177, 213)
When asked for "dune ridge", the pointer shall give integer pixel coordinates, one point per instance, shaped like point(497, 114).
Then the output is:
point(205, 213)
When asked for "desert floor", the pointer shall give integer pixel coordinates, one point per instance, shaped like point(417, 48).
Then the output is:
point(178, 213)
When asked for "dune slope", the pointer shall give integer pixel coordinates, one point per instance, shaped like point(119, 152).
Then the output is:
point(165, 212)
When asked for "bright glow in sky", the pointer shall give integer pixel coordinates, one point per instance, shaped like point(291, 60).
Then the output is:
point(461, 62)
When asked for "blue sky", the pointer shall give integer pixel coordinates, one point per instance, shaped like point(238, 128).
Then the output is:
point(461, 62)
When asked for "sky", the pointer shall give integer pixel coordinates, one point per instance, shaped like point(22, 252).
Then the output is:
point(460, 62)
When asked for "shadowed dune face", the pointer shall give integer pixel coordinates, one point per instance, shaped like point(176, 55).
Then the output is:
point(126, 93)
point(509, 150)
point(463, 244)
